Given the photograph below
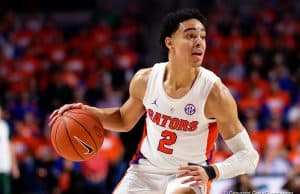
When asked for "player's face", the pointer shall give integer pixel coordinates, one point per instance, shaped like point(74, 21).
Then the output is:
point(189, 42)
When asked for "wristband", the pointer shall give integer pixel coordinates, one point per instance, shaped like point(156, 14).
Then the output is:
point(210, 171)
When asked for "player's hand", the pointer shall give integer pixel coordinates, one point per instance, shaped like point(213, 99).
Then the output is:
point(59, 112)
point(196, 175)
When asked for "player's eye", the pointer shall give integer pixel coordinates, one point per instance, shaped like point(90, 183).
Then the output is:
point(191, 36)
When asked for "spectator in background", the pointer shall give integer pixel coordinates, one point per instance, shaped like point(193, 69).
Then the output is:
point(243, 184)
point(70, 180)
point(293, 183)
point(273, 162)
point(95, 172)
point(275, 134)
point(294, 133)
point(113, 150)
point(294, 157)
point(8, 164)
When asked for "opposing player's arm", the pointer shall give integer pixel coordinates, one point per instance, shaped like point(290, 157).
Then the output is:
point(222, 106)
point(125, 117)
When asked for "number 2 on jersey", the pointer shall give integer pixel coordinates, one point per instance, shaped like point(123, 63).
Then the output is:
point(168, 138)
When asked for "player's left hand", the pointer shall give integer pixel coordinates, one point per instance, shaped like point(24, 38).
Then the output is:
point(196, 175)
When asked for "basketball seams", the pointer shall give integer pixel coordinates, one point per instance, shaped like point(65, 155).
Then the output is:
point(87, 114)
point(56, 144)
point(77, 122)
point(70, 117)
point(92, 117)
point(70, 139)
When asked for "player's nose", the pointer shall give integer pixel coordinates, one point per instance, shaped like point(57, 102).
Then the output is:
point(197, 42)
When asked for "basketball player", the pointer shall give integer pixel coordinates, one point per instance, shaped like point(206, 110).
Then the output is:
point(8, 165)
point(184, 103)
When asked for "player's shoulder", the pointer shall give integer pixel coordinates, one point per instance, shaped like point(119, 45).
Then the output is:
point(143, 74)
point(219, 91)
point(139, 82)
point(141, 77)
point(219, 100)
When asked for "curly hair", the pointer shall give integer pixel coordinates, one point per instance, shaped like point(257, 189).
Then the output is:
point(171, 22)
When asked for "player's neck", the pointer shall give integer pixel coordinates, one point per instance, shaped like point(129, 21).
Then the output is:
point(178, 77)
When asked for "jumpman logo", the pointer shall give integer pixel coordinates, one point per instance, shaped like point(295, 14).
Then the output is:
point(155, 102)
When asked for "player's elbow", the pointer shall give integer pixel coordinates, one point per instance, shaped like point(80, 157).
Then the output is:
point(126, 127)
point(254, 158)
point(121, 128)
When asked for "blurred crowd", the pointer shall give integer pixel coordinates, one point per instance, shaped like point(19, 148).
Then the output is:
point(43, 66)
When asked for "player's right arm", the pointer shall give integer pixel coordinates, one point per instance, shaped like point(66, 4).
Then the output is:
point(120, 119)
point(222, 106)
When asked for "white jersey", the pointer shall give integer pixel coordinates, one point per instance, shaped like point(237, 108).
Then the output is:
point(5, 158)
point(177, 131)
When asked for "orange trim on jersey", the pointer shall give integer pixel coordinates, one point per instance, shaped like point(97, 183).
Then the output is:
point(137, 154)
point(208, 187)
point(211, 139)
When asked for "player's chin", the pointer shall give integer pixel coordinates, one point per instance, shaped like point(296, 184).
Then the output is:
point(197, 63)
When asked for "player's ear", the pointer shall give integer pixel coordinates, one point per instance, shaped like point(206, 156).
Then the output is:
point(168, 42)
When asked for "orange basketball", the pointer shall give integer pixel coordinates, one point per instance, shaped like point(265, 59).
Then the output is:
point(77, 135)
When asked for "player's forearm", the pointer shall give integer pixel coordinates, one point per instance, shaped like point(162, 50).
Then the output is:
point(111, 119)
point(243, 161)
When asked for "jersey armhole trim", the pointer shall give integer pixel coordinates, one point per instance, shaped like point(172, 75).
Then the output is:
point(209, 120)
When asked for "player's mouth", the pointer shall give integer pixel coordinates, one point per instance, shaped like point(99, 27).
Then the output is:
point(197, 55)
